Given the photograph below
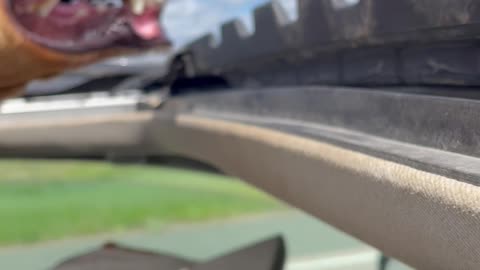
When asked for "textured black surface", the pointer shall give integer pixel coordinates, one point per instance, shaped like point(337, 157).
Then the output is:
point(449, 124)
point(433, 133)
point(375, 42)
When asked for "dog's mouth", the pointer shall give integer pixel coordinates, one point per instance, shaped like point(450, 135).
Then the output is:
point(87, 25)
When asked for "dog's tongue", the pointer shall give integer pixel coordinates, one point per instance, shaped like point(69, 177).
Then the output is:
point(147, 24)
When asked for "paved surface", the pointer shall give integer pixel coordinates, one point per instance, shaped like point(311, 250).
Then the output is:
point(311, 244)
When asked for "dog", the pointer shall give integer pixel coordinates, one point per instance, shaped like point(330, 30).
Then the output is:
point(42, 38)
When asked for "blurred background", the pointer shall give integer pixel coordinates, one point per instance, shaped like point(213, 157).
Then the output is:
point(52, 210)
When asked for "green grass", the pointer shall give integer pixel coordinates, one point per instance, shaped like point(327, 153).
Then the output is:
point(42, 200)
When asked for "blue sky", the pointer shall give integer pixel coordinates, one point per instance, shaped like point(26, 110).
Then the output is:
point(188, 19)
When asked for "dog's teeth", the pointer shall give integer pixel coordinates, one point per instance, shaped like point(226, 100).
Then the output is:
point(155, 2)
point(161, 2)
point(82, 12)
point(138, 6)
point(101, 9)
point(45, 7)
